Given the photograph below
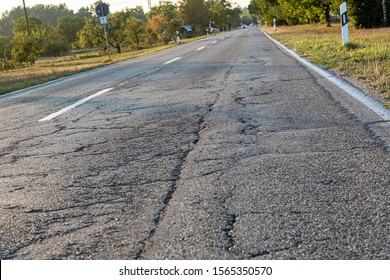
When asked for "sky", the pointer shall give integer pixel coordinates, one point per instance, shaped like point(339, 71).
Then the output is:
point(74, 5)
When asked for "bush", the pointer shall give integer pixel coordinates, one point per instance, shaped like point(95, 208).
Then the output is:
point(25, 49)
point(54, 44)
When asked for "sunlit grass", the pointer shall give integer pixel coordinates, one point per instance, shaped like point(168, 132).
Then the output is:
point(365, 58)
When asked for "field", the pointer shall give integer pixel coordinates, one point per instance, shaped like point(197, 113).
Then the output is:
point(365, 61)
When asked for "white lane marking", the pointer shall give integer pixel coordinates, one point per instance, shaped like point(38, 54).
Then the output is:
point(369, 102)
point(214, 42)
point(78, 103)
point(201, 48)
point(172, 60)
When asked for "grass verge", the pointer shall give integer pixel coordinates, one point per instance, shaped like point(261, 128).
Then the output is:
point(366, 59)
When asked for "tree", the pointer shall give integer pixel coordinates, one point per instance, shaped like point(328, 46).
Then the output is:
point(120, 24)
point(369, 13)
point(84, 12)
point(135, 28)
point(267, 10)
point(8, 19)
point(69, 27)
point(325, 7)
point(47, 14)
point(218, 12)
point(235, 18)
point(24, 49)
point(116, 29)
point(164, 20)
point(34, 23)
point(138, 12)
point(54, 43)
point(161, 27)
point(91, 35)
point(300, 11)
point(5, 52)
point(195, 13)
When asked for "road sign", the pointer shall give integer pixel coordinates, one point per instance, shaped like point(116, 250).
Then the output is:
point(344, 23)
point(102, 9)
point(103, 20)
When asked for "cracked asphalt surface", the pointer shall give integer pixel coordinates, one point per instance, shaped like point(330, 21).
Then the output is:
point(233, 151)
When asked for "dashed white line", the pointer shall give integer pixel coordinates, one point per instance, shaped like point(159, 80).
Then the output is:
point(172, 60)
point(214, 42)
point(201, 48)
point(78, 103)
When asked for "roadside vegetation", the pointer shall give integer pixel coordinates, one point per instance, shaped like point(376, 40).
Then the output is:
point(313, 29)
point(366, 58)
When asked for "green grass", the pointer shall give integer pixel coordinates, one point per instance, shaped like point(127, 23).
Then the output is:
point(366, 58)
point(48, 69)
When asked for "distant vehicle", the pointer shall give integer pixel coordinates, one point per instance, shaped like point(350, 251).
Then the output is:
point(244, 26)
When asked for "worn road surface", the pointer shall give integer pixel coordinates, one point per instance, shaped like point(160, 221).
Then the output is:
point(223, 148)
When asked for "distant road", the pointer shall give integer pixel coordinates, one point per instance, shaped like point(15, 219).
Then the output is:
point(223, 148)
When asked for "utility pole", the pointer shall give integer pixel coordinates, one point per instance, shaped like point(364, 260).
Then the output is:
point(149, 5)
point(25, 13)
point(384, 13)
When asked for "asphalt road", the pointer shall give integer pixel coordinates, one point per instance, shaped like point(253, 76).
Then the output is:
point(224, 148)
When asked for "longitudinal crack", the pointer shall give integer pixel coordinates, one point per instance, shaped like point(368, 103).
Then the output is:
point(176, 173)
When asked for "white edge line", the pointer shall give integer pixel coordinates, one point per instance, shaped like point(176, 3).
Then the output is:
point(70, 107)
point(172, 60)
point(369, 102)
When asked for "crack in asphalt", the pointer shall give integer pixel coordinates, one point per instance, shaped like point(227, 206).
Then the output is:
point(176, 174)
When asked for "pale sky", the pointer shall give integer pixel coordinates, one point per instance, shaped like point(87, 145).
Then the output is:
point(74, 5)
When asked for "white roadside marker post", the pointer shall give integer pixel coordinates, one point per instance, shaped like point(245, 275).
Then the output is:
point(344, 23)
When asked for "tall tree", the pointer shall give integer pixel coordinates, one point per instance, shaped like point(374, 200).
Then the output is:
point(160, 26)
point(164, 20)
point(54, 43)
point(195, 13)
point(69, 27)
point(91, 35)
point(234, 17)
point(219, 12)
point(47, 14)
point(302, 11)
point(369, 13)
point(35, 25)
point(267, 10)
point(135, 30)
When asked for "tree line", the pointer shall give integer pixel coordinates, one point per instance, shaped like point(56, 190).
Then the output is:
point(55, 30)
point(362, 13)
